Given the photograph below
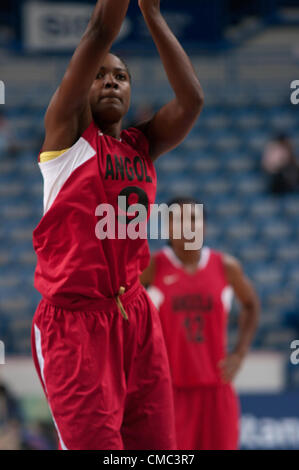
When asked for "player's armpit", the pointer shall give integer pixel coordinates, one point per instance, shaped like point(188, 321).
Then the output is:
point(168, 127)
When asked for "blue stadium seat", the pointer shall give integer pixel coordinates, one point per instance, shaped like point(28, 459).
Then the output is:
point(240, 229)
point(217, 185)
point(264, 208)
point(206, 165)
point(275, 228)
point(254, 251)
point(250, 184)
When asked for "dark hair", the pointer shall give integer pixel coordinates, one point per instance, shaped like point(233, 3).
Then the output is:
point(282, 137)
point(186, 200)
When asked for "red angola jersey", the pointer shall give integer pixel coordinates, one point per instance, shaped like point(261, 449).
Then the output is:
point(76, 264)
point(194, 312)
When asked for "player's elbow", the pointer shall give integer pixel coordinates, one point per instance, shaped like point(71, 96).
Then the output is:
point(199, 99)
point(253, 309)
point(196, 101)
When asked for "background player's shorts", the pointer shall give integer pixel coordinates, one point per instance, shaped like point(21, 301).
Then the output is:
point(207, 418)
point(106, 379)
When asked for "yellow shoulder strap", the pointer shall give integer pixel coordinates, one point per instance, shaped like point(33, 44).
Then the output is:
point(50, 155)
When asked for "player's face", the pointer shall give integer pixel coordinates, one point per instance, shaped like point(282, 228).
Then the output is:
point(110, 93)
point(182, 223)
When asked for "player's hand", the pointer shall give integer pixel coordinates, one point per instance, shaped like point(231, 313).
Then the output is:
point(149, 5)
point(230, 366)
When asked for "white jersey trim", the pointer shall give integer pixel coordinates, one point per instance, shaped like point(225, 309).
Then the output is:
point(38, 347)
point(227, 296)
point(203, 260)
point(156, 295)
point(56, 172)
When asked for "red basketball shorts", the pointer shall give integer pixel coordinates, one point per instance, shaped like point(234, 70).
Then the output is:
point(207, 418)
point(106, 379)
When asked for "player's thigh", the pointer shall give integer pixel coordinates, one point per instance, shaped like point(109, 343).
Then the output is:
point(187, 410)
point(221, 419)
point(232, 408)
point(73, 351)
point(149, 420)
point(149, 414)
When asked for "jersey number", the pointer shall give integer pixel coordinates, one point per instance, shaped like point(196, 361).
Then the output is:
point(194, 328)
point(124, 204)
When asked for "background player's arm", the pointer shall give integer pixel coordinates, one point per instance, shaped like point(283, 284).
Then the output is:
point(68, 113)
point(148, 275)
point(248, 319)
point(172, 122)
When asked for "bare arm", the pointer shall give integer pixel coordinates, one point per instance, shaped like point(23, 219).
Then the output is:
point(68, 112)
point(248, 319)
point(172, 122)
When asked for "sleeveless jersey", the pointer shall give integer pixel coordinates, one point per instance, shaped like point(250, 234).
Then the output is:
point(193, 311)
point(76, 265)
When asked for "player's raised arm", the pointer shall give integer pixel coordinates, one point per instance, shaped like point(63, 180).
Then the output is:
point(172, 123)
point(70, 101)
point(248, 319)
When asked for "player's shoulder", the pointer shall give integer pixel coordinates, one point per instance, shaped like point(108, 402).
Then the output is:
point(232, 265)
point(211, 254)
point(165, 261)
point(137, 139)
point(166, 255)
point(160, 255)
point(229, 262)
point(85, 142)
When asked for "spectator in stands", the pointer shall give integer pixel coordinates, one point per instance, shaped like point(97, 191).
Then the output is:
point(280, 163)
point(10, 420)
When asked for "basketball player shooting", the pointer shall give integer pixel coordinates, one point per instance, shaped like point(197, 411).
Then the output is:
point(97, 343)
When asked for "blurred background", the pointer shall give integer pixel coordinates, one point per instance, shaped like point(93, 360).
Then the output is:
point(240, 160)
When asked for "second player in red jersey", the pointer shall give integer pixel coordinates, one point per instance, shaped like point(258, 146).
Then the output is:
point(193, 291)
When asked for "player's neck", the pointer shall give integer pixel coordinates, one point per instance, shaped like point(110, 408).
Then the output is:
point(111, 129)
point(189, 258)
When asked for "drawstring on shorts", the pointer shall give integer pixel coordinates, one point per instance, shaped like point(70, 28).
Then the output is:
point(119, 303)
